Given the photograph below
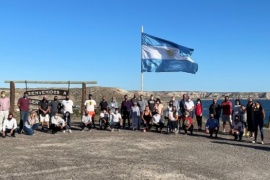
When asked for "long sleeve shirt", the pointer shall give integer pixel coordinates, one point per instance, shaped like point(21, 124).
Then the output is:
point(212, 123)
point(10, 124)
point(58, 121)
point(126, 106)
point(4, 104)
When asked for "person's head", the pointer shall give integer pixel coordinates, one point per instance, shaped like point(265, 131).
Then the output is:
point(173, 98)
point(116, 110)
point(237, 102)
point(126, 97)
point(67, 114)
point(174, 108)
point(55, 98)
point(158, 101)
point(186, 113)
point(258, 105)
point(250, 100)
point(104, 111)
point(33, 114)
point(10, 116)
point(236, 119)
point(25, 95)
point(214, 101)
point(141, 97)
point(135, 95)
point(3, 94)
point(184, 96)
point(135, 103)
point(67, 97)
point(188, 98)
point(243, 107)
point(103, 98)
point(170, 104)
point(198, 101)
point(156, 111)
point(56, 115)
point(113, 99)
point(152, 97)
point(90, 96)
point(226, 98)
point(211, 116)
point(44, 98)
point(147, 108)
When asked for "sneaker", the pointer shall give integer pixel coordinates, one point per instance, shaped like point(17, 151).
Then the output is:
point(144, 130)
point(64, 131)
point(262, 142)
point(253, 142)
point(69, 131)
point(112, 130)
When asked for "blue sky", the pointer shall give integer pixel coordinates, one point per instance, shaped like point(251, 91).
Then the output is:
point(86, 40)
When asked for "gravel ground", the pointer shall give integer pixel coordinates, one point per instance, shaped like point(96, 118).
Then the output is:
point(132, 155)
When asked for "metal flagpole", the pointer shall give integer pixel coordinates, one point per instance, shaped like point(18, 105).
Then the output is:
point(141, 65)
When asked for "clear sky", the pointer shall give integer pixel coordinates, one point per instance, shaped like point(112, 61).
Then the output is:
point(99, 40)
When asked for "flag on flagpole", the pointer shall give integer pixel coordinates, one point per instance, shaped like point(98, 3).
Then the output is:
point(159, 55)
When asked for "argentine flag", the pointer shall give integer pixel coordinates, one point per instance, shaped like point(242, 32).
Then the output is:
point(159, 55)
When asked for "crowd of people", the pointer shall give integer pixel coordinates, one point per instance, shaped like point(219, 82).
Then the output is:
point(54, 116)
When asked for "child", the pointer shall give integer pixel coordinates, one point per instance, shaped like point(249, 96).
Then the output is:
point(243, 119)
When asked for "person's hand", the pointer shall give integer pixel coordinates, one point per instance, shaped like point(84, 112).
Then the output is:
point(11, 132)
point(207, 131)
point(144, 121)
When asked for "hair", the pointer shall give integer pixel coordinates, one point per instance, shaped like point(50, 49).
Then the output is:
point(199, 100)
point(2, 92)
point(158, 100)
point(10, 114)
point(174, 112)
point(125, 96)
point(238, 100)
point(261, 108)
point(236, 116)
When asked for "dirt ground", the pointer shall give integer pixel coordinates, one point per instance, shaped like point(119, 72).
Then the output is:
point(132, 155)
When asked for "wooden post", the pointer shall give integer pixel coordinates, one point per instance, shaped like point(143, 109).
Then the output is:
point(12, 97)
point(83, 98)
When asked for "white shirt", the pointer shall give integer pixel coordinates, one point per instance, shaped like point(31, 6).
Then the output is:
point(104, 115)
point(116, 117)
point(68, 106)
point(237, 126)
point(86, 119)
point(189, 105)
point(10, 124)
point(90, 105)
point(171, 116)
point(58, 121)
point(156, 118)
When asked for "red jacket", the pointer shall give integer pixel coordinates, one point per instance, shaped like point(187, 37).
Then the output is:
point(198, 109)
point(226, 106)
point(183, 118)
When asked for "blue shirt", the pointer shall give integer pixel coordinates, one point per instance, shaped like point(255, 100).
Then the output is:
point(212, 123)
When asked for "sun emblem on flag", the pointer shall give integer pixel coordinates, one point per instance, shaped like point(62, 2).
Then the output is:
point(170, 52)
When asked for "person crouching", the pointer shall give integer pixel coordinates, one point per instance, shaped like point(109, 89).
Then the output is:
point(187, 122)
point(9, 126)
point(86, 121)
point(58, 124)
point(115, 120)
point(104, 119)
point(237, 128)
point(212, 126)
point(157, 121)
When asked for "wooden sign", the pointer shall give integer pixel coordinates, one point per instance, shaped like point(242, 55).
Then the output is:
point(56, 92)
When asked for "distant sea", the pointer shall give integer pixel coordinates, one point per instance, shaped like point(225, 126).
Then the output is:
point(265, 104)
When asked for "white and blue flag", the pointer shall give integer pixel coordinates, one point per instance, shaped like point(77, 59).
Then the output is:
point(159, 55)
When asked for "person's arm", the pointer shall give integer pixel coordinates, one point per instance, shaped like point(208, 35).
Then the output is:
point(19, 103)
point(15, 124)
point(143, 117)
point(4, 125)
point(263, 113)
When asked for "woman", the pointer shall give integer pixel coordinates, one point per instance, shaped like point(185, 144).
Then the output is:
point(198, 113)
point(173, 120)
point(31, 124)
point(157, 122)
point(250, 121)
point(135, 116)
point(146, 117)
point(67, 119)
point(259, 116)
point(236, 108)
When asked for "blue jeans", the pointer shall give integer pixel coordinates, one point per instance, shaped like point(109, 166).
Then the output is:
point(30, 131)
point(260, 124)
point(23, 117)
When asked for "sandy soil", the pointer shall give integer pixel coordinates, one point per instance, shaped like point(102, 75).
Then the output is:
point(132, 155)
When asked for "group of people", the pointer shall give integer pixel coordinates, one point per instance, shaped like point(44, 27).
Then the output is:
point(57, 116)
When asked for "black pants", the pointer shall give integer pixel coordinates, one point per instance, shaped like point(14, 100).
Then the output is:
point(159, 125)
point(212, 131)
point(189, 129)
point(199, 121)
point(55, 128)
point(126, 115)
point(147, 124)
point(115, 125)
point(103, 123)
point(8, 131)
point(89, 126)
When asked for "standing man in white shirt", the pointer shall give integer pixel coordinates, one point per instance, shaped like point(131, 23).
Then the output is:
point(67, 105)
point(4, 108)
point(90, 106)
point(189, 106)
point(9, 126)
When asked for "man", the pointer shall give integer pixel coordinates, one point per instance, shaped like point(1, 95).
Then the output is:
point(187, 122)
point(104, 119)
point(152, 103)
point(4, 108)
point(189, 106)
point(58, 124)
point(215, 109)
point(116, 120)
point(68, 105)
point(44, 110)
point(90, 106)
point(23, 104)
point(237, 128)
point(125, 110)
point(175, 103)
point(55, 106)
point(226, 107)
point(212, 126)
point(134, 99)
point(182, 104)
point(9, 126)
point(103, 104)
point(157, 121)
point(86, 122)
point(113, 105)
point(142, 103)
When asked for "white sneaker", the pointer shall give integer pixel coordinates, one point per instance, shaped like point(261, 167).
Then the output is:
point(64, 131)
point(69, 131)
point(253, 142)
point(262, 142)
